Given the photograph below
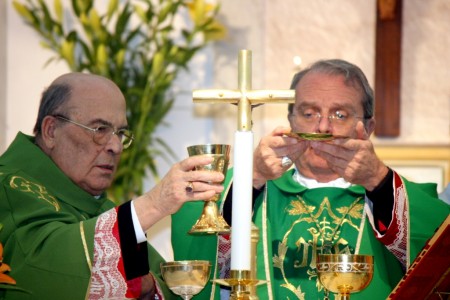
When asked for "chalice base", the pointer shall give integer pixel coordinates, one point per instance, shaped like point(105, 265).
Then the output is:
point(241, 285)
point(210, 221)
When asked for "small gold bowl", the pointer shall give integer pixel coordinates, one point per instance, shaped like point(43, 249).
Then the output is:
point(186, 278)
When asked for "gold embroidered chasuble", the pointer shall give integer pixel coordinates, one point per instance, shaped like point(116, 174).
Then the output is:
point(302, 223)
point(297, 223)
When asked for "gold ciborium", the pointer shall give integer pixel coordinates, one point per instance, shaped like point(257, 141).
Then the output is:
point(186, 278)
point(344, 273)
point(211, 221)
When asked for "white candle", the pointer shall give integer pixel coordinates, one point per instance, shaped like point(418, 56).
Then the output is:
point(242, 201)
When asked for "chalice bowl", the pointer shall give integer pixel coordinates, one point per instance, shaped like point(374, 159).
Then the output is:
point(211, 221)
point(344, 273)
point(186, 278)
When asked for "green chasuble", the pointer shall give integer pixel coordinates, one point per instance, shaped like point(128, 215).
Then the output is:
point(60, 242)
point(297, 223)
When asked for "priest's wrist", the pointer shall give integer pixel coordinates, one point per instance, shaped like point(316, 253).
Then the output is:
point(382, 197)
point(378, 179)
point(258, 181)
point(384, 185)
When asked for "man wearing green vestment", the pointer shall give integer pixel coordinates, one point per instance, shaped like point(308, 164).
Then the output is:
point(62, 237)
point(325, 191)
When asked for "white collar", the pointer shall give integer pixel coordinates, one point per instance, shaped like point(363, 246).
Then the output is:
point(312, 183)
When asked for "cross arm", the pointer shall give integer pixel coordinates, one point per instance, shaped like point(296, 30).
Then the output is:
point(271, 96)
point(253, 96)
point(216, 96)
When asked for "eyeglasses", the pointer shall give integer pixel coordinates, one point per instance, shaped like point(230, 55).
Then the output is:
point(338, 117)
point(103, 133)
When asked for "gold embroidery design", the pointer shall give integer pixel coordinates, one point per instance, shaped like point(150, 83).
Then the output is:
point(322, 230)
point(26, 186)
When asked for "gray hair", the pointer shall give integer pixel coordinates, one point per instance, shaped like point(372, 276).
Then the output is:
point(354, 76)
point(52, 99)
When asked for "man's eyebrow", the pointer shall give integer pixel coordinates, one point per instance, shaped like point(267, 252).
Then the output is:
point(107, 123)
point(306, 104)
point(335, 105)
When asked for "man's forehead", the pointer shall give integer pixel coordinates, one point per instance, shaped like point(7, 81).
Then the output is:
point(317, 89)
point(99, 101)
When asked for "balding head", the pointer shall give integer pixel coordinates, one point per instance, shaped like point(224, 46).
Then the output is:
point(60, 90)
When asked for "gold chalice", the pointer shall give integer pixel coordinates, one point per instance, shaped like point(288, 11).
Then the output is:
point(344, 273)
point(186, 278)
point(211, 221)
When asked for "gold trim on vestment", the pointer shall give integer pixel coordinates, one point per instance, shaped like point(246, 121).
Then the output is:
point(266, 247)
point(361, 228)
point(86, 250)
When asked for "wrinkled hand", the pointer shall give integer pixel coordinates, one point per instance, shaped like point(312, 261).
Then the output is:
point(170, 194)
point(267, 156)
point(353, 159)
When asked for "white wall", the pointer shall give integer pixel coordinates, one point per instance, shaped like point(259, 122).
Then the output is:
point(26, 76)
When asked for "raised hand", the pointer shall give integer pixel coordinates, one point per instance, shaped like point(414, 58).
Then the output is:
point(354, 159)
point(269, 153)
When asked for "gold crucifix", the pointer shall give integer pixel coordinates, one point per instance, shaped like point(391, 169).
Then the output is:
point(243, 255)
point(244, 97)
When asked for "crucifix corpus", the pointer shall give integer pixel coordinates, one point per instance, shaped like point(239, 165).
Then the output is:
point(246, 99)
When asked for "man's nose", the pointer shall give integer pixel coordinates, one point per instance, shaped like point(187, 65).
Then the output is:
point(114, 144)
point(324, 125)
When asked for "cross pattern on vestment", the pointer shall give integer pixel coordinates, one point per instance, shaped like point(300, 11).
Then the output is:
point(244, 96)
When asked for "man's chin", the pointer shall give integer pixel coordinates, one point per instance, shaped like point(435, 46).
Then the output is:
point(318, 165)
point(99, 188)
point(316, 161)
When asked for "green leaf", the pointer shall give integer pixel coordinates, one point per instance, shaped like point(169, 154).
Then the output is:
point(67, 53)
point(58, 10)
point(112, 7)
point(158, 64)
point(123, 19)
point(23, 11)
point(95, 20)
point(102, 59)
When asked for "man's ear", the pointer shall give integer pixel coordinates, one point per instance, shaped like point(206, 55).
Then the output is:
point(370, 126)
point(290, 118)
point(48, 127)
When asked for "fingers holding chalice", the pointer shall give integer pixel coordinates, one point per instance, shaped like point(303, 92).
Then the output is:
point(210, 221)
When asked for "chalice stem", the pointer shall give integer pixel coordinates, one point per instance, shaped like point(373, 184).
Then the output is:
point(211, 221)
point(343, 296)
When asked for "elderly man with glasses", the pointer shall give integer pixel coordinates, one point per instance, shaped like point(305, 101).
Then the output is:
point(320, 188)
point(63, 239)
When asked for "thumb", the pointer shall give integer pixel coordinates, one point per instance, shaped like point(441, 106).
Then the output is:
point(361, 132)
